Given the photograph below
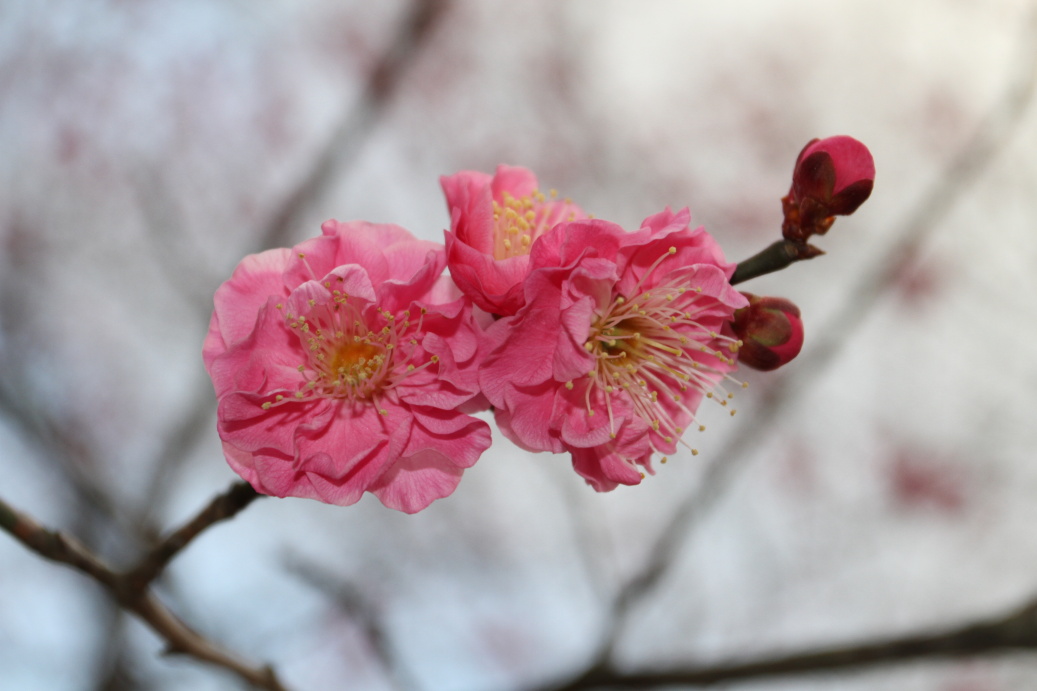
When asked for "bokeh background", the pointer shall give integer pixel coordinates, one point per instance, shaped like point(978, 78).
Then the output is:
point(883, 483)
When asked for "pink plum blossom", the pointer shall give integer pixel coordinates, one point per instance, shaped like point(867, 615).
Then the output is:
point(620, 337)
point(494, 223)
point(347, 364)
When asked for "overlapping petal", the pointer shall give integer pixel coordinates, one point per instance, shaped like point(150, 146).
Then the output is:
point(495, 222)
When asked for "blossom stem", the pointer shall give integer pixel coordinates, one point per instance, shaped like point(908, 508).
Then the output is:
point(774, 257)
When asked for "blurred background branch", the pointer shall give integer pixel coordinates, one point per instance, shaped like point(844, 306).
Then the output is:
point(1016, 632)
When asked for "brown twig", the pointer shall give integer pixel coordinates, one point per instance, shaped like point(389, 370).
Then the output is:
point(127, 590)
point(222, 507)
point(774, 257)
point(1016, 631)
point(415, 28)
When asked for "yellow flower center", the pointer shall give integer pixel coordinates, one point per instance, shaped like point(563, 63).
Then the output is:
point(519, 221)
point(354, 351)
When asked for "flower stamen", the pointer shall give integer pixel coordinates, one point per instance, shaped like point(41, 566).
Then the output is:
point(354, 351)
point(650, 348)
point(519, 221)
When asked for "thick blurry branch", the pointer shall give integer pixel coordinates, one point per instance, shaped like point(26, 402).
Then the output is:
point(348, 599)
point(160, 209)
point(130, 590)
point(992, 135)
point(69, 454)
point(1016, 631)
point(422, 17)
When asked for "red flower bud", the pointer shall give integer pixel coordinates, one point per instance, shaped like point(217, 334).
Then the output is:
point(832, 177)
point(770, 330)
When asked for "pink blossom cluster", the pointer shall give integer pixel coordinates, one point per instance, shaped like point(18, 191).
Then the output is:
point(604, 340)
point(353, 363)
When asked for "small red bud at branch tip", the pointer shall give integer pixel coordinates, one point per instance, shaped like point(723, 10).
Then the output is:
point(771, 332)
point(832, 177)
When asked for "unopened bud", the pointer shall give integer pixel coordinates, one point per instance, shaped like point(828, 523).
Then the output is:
point(832, 177)
point(771, 332)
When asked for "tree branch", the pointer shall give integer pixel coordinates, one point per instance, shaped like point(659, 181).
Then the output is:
point(1016, 631)
point(130, 590)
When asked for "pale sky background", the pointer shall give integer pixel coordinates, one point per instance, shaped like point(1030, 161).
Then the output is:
point(145, 147)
